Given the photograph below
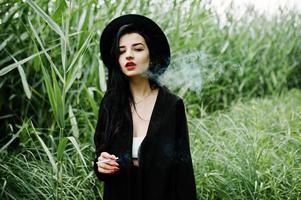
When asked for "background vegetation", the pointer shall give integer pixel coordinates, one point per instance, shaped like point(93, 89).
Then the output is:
point(244, 115)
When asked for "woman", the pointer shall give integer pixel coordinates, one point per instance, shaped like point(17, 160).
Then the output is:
point(141, 138)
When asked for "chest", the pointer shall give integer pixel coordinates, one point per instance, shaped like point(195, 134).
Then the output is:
point(141, 115)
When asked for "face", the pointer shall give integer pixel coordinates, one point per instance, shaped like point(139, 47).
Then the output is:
point(134, 55)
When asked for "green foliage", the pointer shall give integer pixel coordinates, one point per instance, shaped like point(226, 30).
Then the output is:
point(251, 151)
point(52, 80)
point(252, 57)
point(48, 171)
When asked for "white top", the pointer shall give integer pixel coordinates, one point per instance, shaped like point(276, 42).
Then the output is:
point(136, 145)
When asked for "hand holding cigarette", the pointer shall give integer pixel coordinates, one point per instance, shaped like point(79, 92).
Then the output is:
point(107, 163)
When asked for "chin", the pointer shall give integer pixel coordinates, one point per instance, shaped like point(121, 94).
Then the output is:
point(133, 75)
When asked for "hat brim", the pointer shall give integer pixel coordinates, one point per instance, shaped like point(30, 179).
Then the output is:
point(151, 29)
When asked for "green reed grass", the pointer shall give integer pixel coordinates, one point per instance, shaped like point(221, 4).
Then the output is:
point(251, 151)
point(47, 170)
point(52, 80)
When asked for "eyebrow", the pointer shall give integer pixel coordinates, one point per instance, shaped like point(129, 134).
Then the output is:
point(136, 44)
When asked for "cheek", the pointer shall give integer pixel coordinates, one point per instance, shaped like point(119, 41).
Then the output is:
point(145, 59)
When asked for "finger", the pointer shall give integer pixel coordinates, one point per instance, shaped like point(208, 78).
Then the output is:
point(107, 155)
point(105, 171)
point(114, 163)
point(100, 158)
point(109, 162)
point(108, 166)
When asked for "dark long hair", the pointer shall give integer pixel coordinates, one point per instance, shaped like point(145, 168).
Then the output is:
point(114, 114)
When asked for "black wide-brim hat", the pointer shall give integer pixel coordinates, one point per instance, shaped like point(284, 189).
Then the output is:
point(150, 29)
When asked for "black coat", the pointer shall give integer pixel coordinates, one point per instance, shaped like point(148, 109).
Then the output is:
point(165, 164)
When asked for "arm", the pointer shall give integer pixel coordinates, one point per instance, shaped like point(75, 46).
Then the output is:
point(184, 175)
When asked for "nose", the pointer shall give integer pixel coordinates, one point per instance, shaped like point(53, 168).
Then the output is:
point(129, 55)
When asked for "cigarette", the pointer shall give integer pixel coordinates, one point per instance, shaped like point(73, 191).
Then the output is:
point(104, 161)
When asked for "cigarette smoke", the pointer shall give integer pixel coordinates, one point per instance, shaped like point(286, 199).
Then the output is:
point(192, 71)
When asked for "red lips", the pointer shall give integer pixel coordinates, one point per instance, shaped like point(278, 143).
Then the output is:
point(130, 65)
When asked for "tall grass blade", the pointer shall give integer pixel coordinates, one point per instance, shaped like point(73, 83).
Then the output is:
point(76, 145)
point(59, 101)
point(80, 51)
point(59, 12)
point(46, 54)
point(73, 122)
point(91, 100)
point(24, 80)
point(12, 139)
point(64, 55)
point(47, 18)
point(119, 9)
point(48, 153)
point(4, 43)
point(61, 148)
point(64, 43)
point(50, 90)
point(10, 67)
point(82, 19)
point(72, 74)
point(54, 98)
point(102, 77)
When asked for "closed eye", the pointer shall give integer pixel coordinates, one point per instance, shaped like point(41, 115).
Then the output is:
point(121, 51)
point(139, 49)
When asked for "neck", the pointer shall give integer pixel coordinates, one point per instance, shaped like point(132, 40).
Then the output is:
point(139, 86)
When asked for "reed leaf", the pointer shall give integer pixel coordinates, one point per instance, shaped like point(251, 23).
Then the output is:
point(61, 148)
point(60, 10)
point(4, 43)
point(45, 52)
point(71, 76)
point(54, 97)
point(102, 76)
point(12, 66)
point(90, 97)
point(76, 145)
point(73, 122)
point(48, 153)
point(47, 18)
point(59, 101)
point(24, 82)
point(80, 52)
point(12, 139)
